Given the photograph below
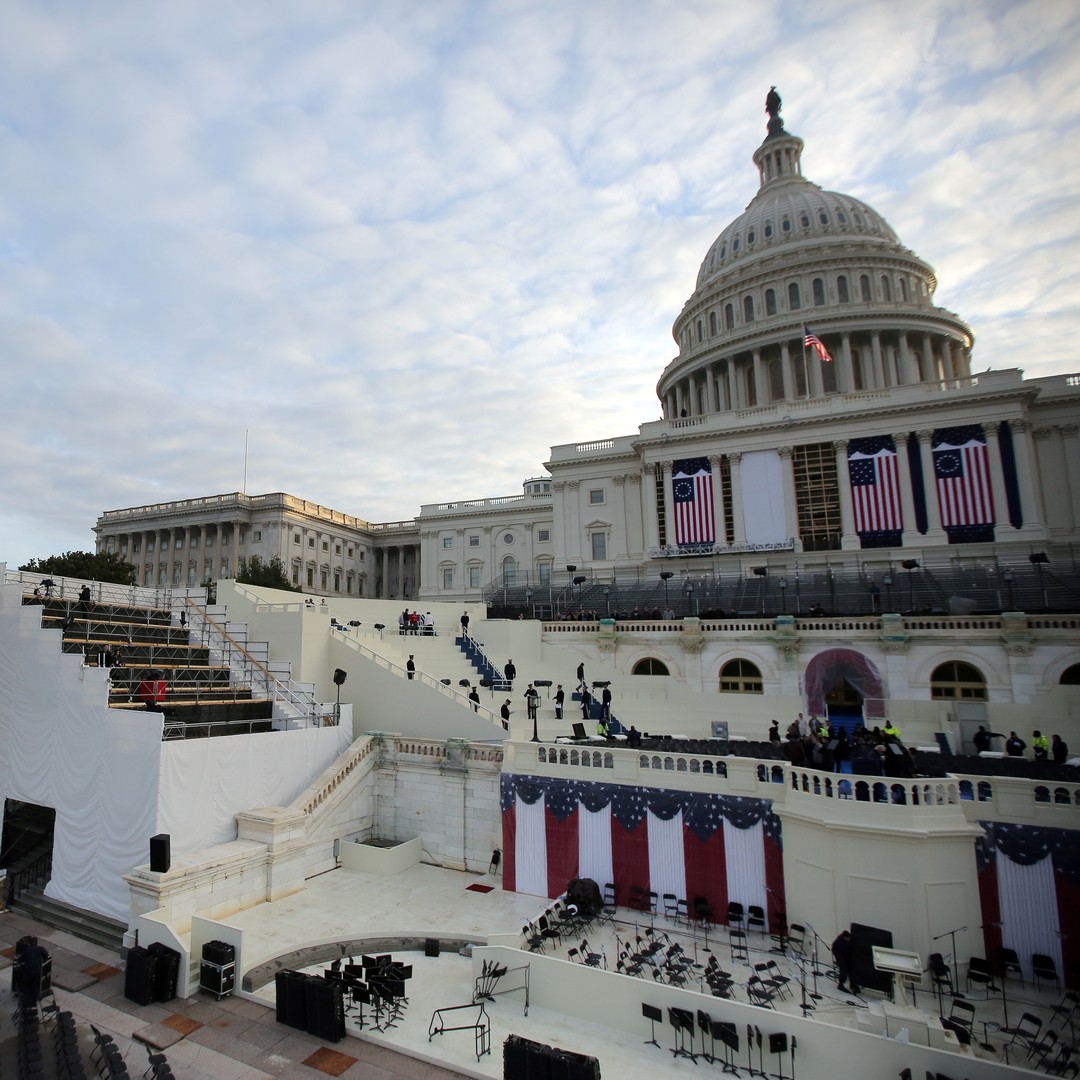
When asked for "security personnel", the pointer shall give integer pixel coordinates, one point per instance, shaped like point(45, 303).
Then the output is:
point(891, 730)
point(1040, 745)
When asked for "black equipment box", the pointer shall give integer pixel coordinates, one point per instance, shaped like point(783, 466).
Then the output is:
point(141, 975)
point(325, 1004)
point(168, 971)
point(218, 952)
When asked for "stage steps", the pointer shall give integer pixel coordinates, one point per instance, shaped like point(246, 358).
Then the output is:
point(87, 925)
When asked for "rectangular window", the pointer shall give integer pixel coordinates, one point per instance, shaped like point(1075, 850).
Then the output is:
point(447, 541)
point(123, 547)
point(224, 568)
point(256, 537)
point(326, 545)
point(210, 541)
point(243, 538)
point(544, 570)
point(599, 545)
point(150, 545)
point(596, 496)
point(322, 579)
point(448, 577)
point(179, 543)
point(296, 538)
point(311, 541)
point(474, 577)
point(350, 553)
point(296, 575)
point(337, 549)
point(337, 583)
point(543, 536)
point(310, 577)
point(474, 541)
point(194, 543)
point(136, 546)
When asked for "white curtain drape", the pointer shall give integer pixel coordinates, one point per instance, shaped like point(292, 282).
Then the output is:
point(530, 847)
point(1029, 912)
point(594, 845)
point(667, 869)
point(763, 497)
point(744, 857)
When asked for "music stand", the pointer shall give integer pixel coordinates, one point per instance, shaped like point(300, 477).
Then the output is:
point(682, 1020)
point(652, 1014)
point(778, 1045)
point(729, 1036)
point(704, 1021)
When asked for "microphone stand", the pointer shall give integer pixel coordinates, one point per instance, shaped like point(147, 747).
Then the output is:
point(806, 1007)
point(952, 935)
point(814, 964)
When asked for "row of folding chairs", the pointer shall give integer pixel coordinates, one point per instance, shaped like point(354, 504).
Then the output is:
point(106, 1057)
point(29, 1050)
point(69, 1063)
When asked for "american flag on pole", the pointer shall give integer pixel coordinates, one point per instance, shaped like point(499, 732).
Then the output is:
point(812, 341)
point(962, 473)
point(692, 495)
point(875, 484)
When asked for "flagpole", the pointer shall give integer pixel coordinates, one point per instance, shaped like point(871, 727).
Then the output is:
point(805, 366)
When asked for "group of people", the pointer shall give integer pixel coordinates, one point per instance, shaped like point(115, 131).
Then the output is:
point(814, 743)
point(532, 697)
point(417, 622)
point(1055, 749)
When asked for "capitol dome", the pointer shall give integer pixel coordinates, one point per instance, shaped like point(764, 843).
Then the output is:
point(801, 258)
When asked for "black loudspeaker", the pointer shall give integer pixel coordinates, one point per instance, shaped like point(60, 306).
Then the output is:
point(325, 1003)
point(140, 976)
point(291, 1000)
point(160, 858)
point(168, 971)
point(863, 972)
point(515, 1058)
point(218, 952)
point(431, 946)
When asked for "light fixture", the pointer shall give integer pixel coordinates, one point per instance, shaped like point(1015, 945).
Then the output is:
point(910, 564)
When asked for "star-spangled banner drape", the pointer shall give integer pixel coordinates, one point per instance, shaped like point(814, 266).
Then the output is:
point(962, 476)
point(875, 484)
point(551, 835)
point(692, 501)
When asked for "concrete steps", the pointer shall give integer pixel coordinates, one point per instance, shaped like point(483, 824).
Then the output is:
point(87, 925)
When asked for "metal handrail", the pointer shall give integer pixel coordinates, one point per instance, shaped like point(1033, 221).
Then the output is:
point(38, 870)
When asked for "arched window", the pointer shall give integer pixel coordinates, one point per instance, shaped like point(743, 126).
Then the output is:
point(842, 289)
point(770, 301)
point(509, 567)
point(823, 217)
point(903, 289)
point(768, 229)
point(804, 221)
point(793, 300)
point(650, 666)
point(957, 680)
point(751, 236)
point(864, 288)
point(786, 225)
point(1070, 676)
point(740, 677)
point(819, 292)
point(886, 288)
point(748, 308)
point(729, 316)
point(712, 324)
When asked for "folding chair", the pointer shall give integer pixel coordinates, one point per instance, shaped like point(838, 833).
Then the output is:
point(1027, 1031)
point(1044, 970)
point(979, 971)
point(755, 918)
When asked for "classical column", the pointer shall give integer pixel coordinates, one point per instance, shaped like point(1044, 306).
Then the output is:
point(619, 519)
point(401, 569)
point(878, 363)
point(573, 499)
point(814, 387)
point(678, 399)
point(1032, 510)
point(737, 514)
point(1070, 443)
point(911, 537)
point(648, 498)
point(710, 377)
point(846, 382)
point(907, 363)
point(669, 513)
point(788, 374)
point(935, 533)
point(849, 538)
point(635, 533)
point(723, 386)
point(929, 368)
point(761, 382)
point(1002, 527)
point(791, 517)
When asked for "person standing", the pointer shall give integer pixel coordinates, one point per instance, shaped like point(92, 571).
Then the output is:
point(841, 950)
point(581, 673)
point(774, 732)
point(1014, 745)
point(1059, 750)
point(560, 697)
point(1040, 745)
point(410, 666)
point(474, 697)
point(586, 701)
point(510, 672)
point(532, 701)
point(464, 624)
point(504, 712)
point(605, 705)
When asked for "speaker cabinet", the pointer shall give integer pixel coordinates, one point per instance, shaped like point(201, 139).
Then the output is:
point(160, 858)
point(168, 971)
point(431, 946)
point(140, 976)
point(863, 939)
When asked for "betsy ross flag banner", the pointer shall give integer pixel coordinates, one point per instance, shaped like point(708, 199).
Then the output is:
point(812, 341)
point(875, 484)
point(692, 495)
point(962, 474)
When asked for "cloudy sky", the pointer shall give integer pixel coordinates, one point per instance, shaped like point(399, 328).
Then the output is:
point(403, 248)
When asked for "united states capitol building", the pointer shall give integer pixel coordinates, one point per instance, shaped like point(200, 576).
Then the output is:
point(835, 516)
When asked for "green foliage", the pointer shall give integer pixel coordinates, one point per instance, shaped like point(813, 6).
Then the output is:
point(90, 565)
point(270, 575)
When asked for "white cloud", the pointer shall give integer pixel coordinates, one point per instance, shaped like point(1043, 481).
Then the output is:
point(410, 246)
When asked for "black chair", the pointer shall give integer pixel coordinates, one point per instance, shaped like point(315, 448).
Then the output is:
point(1027, 1031)
point(797, 937)
point(1009, 964)
point(758, 993)
point(735, 914)
point(1044, 969)
point(755, 918)
point(671, 905)
point(979, 971)
point(703, 912)
point(960, 1020)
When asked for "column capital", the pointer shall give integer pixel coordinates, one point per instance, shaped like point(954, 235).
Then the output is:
point(1019, 425)
point(786, 452)
point(573, 485)
point(840, 444)
point(619, 479)
point(649, 468)
point(1068, 431)
point(900, 438)
point(558, 485)
point(1043, 433)
point(734, 457)
point(924, 435)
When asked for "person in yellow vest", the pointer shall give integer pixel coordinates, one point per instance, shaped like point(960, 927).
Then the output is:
point(891, 730)
point(1040, 745)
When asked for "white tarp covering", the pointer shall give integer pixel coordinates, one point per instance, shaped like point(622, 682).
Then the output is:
point(109, 777)
point(762, 475)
